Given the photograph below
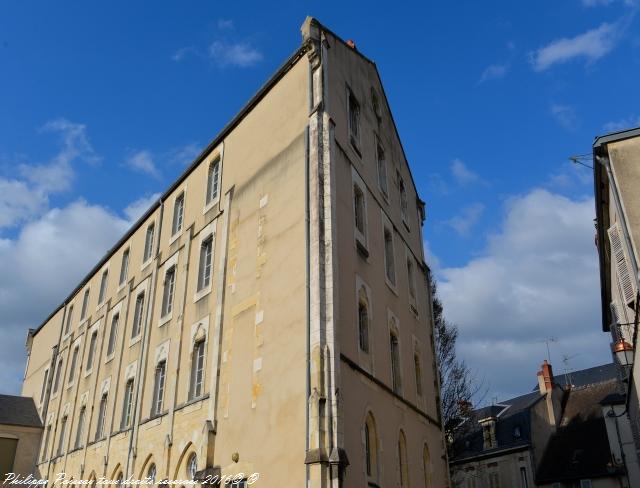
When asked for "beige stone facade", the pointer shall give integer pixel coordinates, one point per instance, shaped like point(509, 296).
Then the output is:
point(616, 159)
point(272, 314)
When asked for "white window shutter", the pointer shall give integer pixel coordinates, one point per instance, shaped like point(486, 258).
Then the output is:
point(622, 265)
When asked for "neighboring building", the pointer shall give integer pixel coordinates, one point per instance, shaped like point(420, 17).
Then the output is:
point(20, 433)
point(616, 165)
point(269, 314)
point(556, 437)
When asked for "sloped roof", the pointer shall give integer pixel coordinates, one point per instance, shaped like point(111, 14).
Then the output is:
point(580, 447)
point(585, 377)
point(17, 410)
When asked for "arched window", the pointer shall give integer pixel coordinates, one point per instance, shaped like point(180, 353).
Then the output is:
point(197, 370)
point(158, 388)
point(151, 474)
point(119, 479)
point(192, 466)
point(371, 448)
point(395, 362)
point(426, 466)
point(359, 209)
point(363, 325)
point(402, 460)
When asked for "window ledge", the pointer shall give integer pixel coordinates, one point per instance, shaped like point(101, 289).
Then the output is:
point(87, 372)
point(175, 237)
point(354, 145)
point(134, 340)
point(109, 358)
point(362, 249)
point(202, 293)
point(212, 204)
point(146, 263)
point(164, 319)
point(391, 285)
point(406, 223)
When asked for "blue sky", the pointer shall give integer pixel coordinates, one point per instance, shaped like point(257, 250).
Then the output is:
point(104, 103)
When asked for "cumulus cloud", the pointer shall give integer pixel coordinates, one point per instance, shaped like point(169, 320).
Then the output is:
point(240, 54)
point(591, 45)
point(537, 277)
point(564, 115)
point(182, 53)
point(463, 175)
point(493, 72)
point(136, 209)
point(27, 196)
point(41, 266)
point(184, 155)
point(468, 217)
point(622, 124)
point(142, 161)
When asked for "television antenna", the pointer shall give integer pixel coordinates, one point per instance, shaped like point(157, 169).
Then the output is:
point(547, 341)
point(567, 370)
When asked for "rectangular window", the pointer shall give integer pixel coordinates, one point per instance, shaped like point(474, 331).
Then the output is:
point(416, 361)
point(404, 204)
point(80, 431)
point(382, 171)
point(127, 405)
point(359, 209)
point(45, 446)
point(354, 118)
point(585, 483)
point(412, 280)
point(213, 181)
point(92, 349)
point(178, 214)
point(395, 363)
point(85, 305)
point(56, 379)
point(197, 370)
point(167, 295)
point(63, 429)
point(124, 267)
point(103, 286)
point(113, 334)
point(44, 384)
point(363, 327)
point(74, 363)
point(148, 243)
point(158, 389)
point(204, 272)
point(102, 412)
point(137, 316)
point(524, 482)
point(389, 258)
point(67, 326)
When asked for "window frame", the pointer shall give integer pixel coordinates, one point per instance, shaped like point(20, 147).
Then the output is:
point(159, 386)
point(177, 223)
point(211, 200)
point(127, 405)
point(85, 304)
point(102, 415)
point(147, 255)
point(197, 367)
point(384, 189)
point(168, 294)
point(388, 229)
point(124, 268)
point(112, 339)
point(354, 136)
point(138, 316)
point(361, 236)
point(104, 285)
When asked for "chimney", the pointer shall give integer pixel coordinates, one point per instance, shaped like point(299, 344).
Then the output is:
point(545, 378)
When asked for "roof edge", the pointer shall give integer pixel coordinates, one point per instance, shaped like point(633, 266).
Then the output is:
point(244, 111)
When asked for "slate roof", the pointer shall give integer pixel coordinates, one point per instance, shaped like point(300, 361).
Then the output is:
point(513, 415)
point(585, 377)
point(17, 410)
point(580, 447)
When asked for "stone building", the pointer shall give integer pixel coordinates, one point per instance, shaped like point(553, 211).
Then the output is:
point(616, 165)
point(20, 434)
point(269, 314)
point(567, 433)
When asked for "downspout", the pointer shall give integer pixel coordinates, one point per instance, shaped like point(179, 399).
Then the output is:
point(141, 372)
point(52, 436)
point(308, 288)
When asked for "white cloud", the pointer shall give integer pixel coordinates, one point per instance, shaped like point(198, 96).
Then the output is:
point(537, 277)
point(225, 24)
point(240, 54)
point(604, 3)
point(591, 45)
point(22, 199)
point(143, 162)
point(136, 209)
point(41, 266)
point(184, 155)
point(183, 52)
point(565, 116)
point(463, 175)
point(493, 72)
point(467, 218)
point(622, 124)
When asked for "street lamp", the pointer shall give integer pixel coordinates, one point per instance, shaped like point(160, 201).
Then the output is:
point(624, 353)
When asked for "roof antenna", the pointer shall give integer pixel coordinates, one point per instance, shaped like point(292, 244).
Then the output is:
point(547, 341)
point(567, 370)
